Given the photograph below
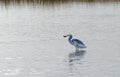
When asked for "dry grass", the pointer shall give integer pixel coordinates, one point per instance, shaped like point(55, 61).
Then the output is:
point(44, 2)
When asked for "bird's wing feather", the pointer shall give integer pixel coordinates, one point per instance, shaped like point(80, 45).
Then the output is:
point(79, 41)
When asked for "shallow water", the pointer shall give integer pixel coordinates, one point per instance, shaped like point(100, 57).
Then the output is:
point(32, 43)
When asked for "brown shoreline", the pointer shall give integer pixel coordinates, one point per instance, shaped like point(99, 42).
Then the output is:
point(51, 2)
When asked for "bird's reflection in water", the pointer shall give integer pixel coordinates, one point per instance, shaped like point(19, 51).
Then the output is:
point(76, 56)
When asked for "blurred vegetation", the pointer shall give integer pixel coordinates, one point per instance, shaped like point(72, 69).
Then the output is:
point(51, 2)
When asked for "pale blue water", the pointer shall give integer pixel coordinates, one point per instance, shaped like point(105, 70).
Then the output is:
point(32, 43)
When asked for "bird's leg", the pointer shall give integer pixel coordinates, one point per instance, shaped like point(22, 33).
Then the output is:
point(77, 49)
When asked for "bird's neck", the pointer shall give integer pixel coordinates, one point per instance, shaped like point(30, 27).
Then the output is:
point(70, 39)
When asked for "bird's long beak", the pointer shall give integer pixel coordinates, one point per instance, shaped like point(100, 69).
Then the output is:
point(64, 36)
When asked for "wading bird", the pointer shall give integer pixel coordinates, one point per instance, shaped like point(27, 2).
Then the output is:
point(75, 42)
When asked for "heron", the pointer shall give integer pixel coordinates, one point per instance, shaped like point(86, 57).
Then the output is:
point(78, 44)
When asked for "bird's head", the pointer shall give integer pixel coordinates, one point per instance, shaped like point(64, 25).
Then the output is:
point(67, 35)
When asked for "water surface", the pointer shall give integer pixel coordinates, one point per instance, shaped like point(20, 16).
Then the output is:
point(32, 43)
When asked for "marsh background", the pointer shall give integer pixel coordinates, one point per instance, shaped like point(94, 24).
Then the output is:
point(32, 43)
